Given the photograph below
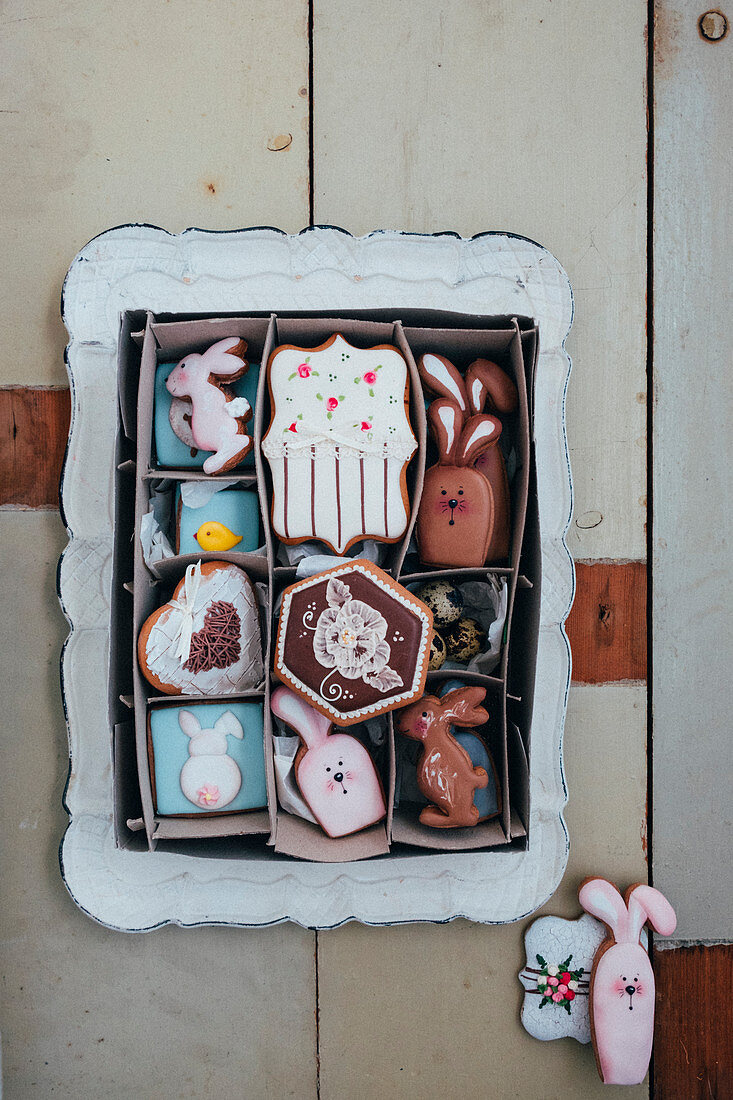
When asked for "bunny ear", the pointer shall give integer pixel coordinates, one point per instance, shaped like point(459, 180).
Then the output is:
point(189, 723)
point(647, 904)
point(462, 706)
point(445, 420)
point(229, 724)
point(225, 357)
point(486, 381)
point(443, 379)
point(479, 433)
point(601, 899)
point(310, 725)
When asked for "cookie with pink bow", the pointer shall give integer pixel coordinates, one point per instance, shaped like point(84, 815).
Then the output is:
point(206, 639)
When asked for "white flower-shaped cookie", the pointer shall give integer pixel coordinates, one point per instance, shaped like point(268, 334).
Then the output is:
point(350, 636)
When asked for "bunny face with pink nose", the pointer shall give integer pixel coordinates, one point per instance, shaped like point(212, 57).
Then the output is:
point(210, 778)
point(217, 418)
point(335, 773)
point(622, 980)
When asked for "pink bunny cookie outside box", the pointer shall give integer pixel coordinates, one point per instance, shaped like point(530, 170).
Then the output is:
point(335, 773)
point(338, 443)
point(622, 981)
point(217, 418)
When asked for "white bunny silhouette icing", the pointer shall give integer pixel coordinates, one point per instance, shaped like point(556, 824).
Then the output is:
point(210, 778)
point(335, 773)
point(217, 418)
point(622, 980)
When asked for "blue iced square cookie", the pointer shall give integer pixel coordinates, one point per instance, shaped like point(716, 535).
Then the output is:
point(207, 758)
point(233, 514)
point(170, 451)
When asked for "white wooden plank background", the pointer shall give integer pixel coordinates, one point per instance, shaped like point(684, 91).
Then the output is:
point(693, 356)
point(480, 115)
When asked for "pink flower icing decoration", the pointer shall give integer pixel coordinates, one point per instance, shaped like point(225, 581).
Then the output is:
point(557, 997)
point(293, 427)
point(331, 404)
point(304, 370)
point(366, 426)
point(370, 378)
point(208, 795)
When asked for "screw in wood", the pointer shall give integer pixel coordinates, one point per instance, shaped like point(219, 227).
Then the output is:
point(713, 26)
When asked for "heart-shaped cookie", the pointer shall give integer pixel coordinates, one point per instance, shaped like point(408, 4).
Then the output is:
point(216, 607)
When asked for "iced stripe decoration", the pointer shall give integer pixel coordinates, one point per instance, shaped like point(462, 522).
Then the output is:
point(339, 421)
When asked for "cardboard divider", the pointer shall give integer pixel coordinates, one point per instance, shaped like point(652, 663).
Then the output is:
point(304, 840)
point(132, 333)
point(462, 345)
point(241, 478)
point(520, 484)
point(178, 338)
point(255, 823)
point(519, 777)
point(127, 803)
point(146, 340)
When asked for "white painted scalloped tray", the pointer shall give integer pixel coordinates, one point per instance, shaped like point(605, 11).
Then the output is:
point(141, 267)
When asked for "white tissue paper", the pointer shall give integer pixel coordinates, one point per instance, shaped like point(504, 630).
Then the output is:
point(308, 551)
point(196, 494)
point(155, 545)
point(486, 602)
point(288, 795)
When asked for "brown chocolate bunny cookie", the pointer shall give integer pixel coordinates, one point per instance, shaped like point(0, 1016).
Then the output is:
point(445, 773)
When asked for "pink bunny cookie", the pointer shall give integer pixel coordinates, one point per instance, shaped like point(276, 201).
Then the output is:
point(217, 418)
point(335, 773)
point(622, 980)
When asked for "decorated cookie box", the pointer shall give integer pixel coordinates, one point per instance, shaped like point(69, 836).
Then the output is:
point(165, 741)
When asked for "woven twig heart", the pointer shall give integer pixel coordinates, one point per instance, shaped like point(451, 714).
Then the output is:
point(226, 651)
point(216, 645)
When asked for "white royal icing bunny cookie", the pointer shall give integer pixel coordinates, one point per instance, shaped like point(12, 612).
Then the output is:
point(339, 443)
point(210, 778)
point(217, 419)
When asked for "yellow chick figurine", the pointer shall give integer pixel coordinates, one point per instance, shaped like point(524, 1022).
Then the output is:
point(215, 536)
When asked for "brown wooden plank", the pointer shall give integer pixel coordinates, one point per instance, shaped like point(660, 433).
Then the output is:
point(608, 622)
point(34, 425)
point(693, 1049)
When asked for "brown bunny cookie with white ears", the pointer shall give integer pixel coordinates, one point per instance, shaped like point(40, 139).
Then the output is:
point(455, 520)
point(464, 438)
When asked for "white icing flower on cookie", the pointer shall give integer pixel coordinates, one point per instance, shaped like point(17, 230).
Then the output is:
point(350, 637)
